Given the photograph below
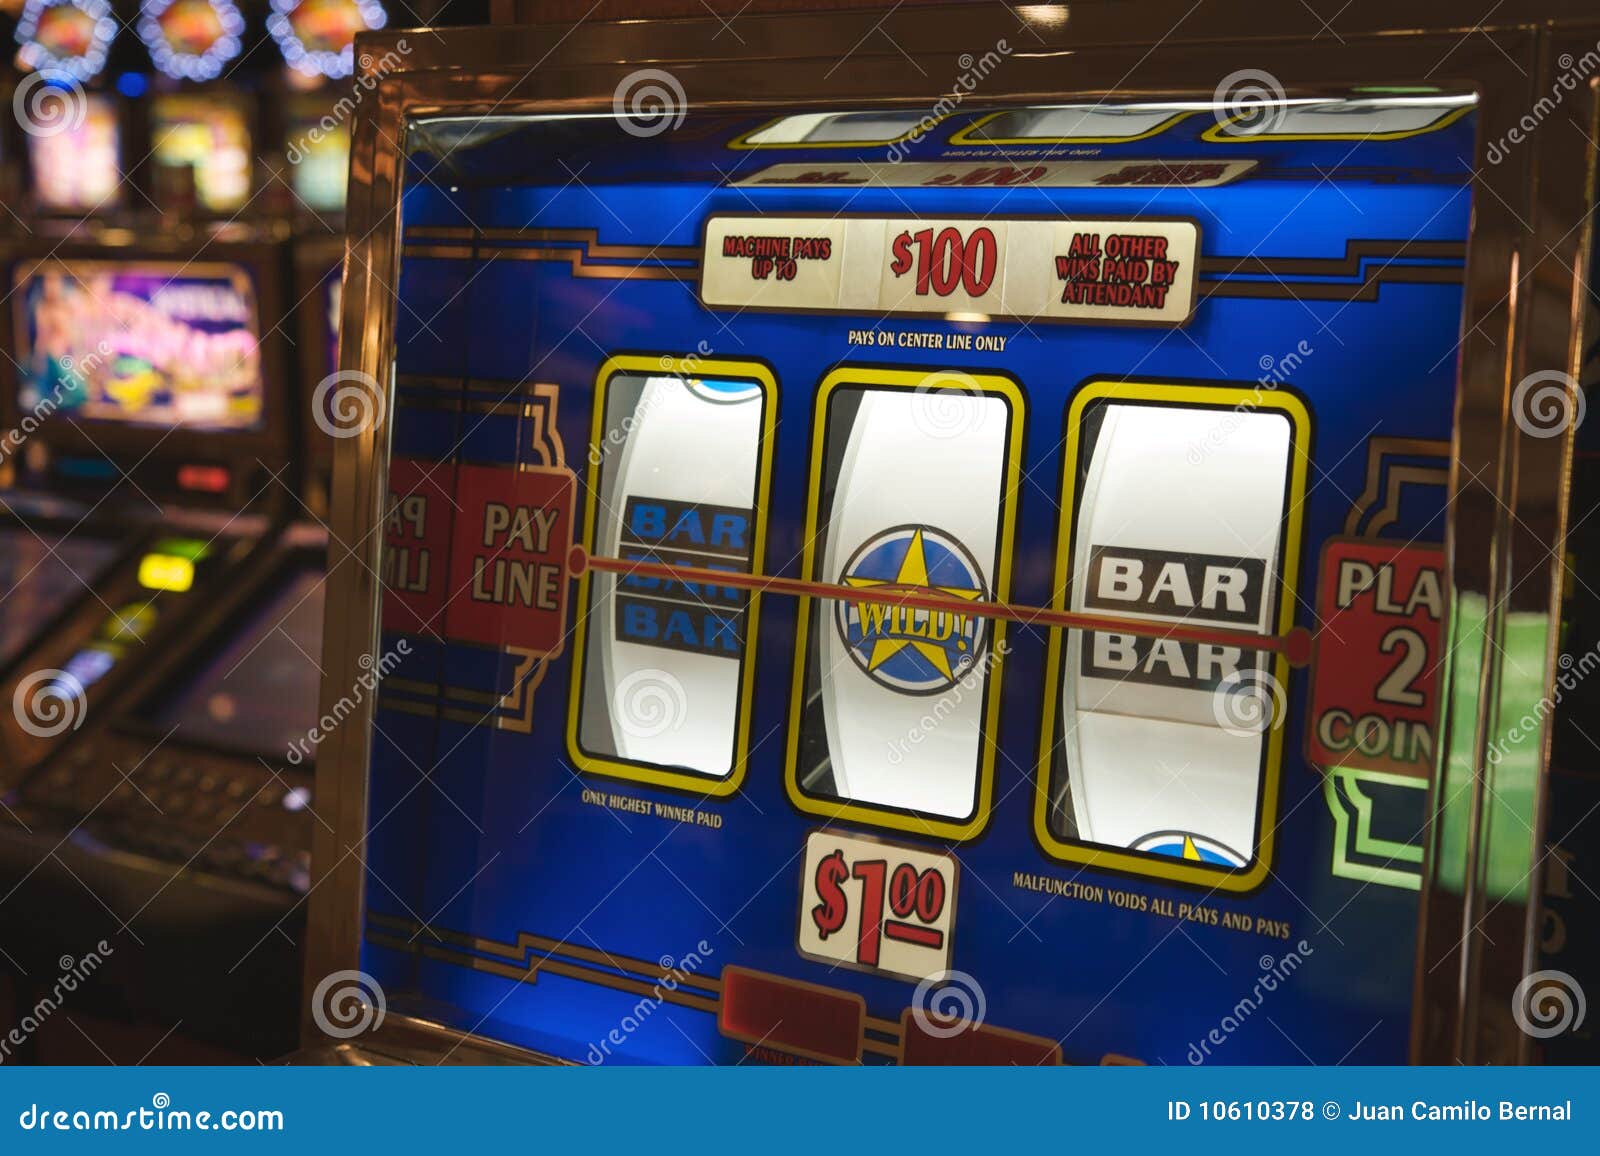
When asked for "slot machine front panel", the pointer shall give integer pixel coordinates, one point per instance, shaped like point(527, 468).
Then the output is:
point(838, 607)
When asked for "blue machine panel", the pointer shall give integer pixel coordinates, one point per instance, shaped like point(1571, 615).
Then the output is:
point(743, 711)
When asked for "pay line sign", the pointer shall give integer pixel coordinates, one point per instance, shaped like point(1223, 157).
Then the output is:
point(1374, 689)
point(416, 544)
point(513, 533)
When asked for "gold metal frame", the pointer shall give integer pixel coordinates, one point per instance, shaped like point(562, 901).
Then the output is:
point(1524, 311)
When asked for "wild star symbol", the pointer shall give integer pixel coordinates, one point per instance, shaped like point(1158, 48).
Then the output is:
point(913, 574)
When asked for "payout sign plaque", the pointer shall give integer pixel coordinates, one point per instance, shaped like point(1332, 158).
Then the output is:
point(1140, 272)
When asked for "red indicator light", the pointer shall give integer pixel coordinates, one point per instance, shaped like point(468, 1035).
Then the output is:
point(206, 479)
point(820, 1023)
point(926, 1038)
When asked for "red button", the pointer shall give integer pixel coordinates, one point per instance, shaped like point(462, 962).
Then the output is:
point(927, 1039)
point(820, 1023)
point(207, 479)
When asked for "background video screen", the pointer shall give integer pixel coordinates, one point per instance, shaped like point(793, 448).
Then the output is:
point(259, 694)
point(39, 575)
point(140, 343)
point(77, 170)
point(212, 134)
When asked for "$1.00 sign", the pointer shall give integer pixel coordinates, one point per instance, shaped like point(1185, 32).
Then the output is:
point(877, 906)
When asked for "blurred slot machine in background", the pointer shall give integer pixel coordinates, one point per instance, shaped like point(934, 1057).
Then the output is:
point(78, 170)
point(172, 276)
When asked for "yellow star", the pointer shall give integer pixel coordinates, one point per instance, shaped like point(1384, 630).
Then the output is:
point(913, 573)
point(1190, 851)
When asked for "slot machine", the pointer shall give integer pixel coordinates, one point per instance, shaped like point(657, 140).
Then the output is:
point(150, 416)
point(127, 357)
point(146, 417)
point(205, 110)
point(72, 127)
point(967, 536)
point(149, 462)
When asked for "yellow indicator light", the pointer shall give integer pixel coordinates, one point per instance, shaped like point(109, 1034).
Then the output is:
point(166, 572)
point(129, 624)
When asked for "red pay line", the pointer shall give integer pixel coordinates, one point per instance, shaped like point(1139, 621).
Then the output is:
point(1295, 645)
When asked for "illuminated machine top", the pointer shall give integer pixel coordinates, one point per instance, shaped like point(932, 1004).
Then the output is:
point(212, 134)
point(851, 580)
point(77, 168)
